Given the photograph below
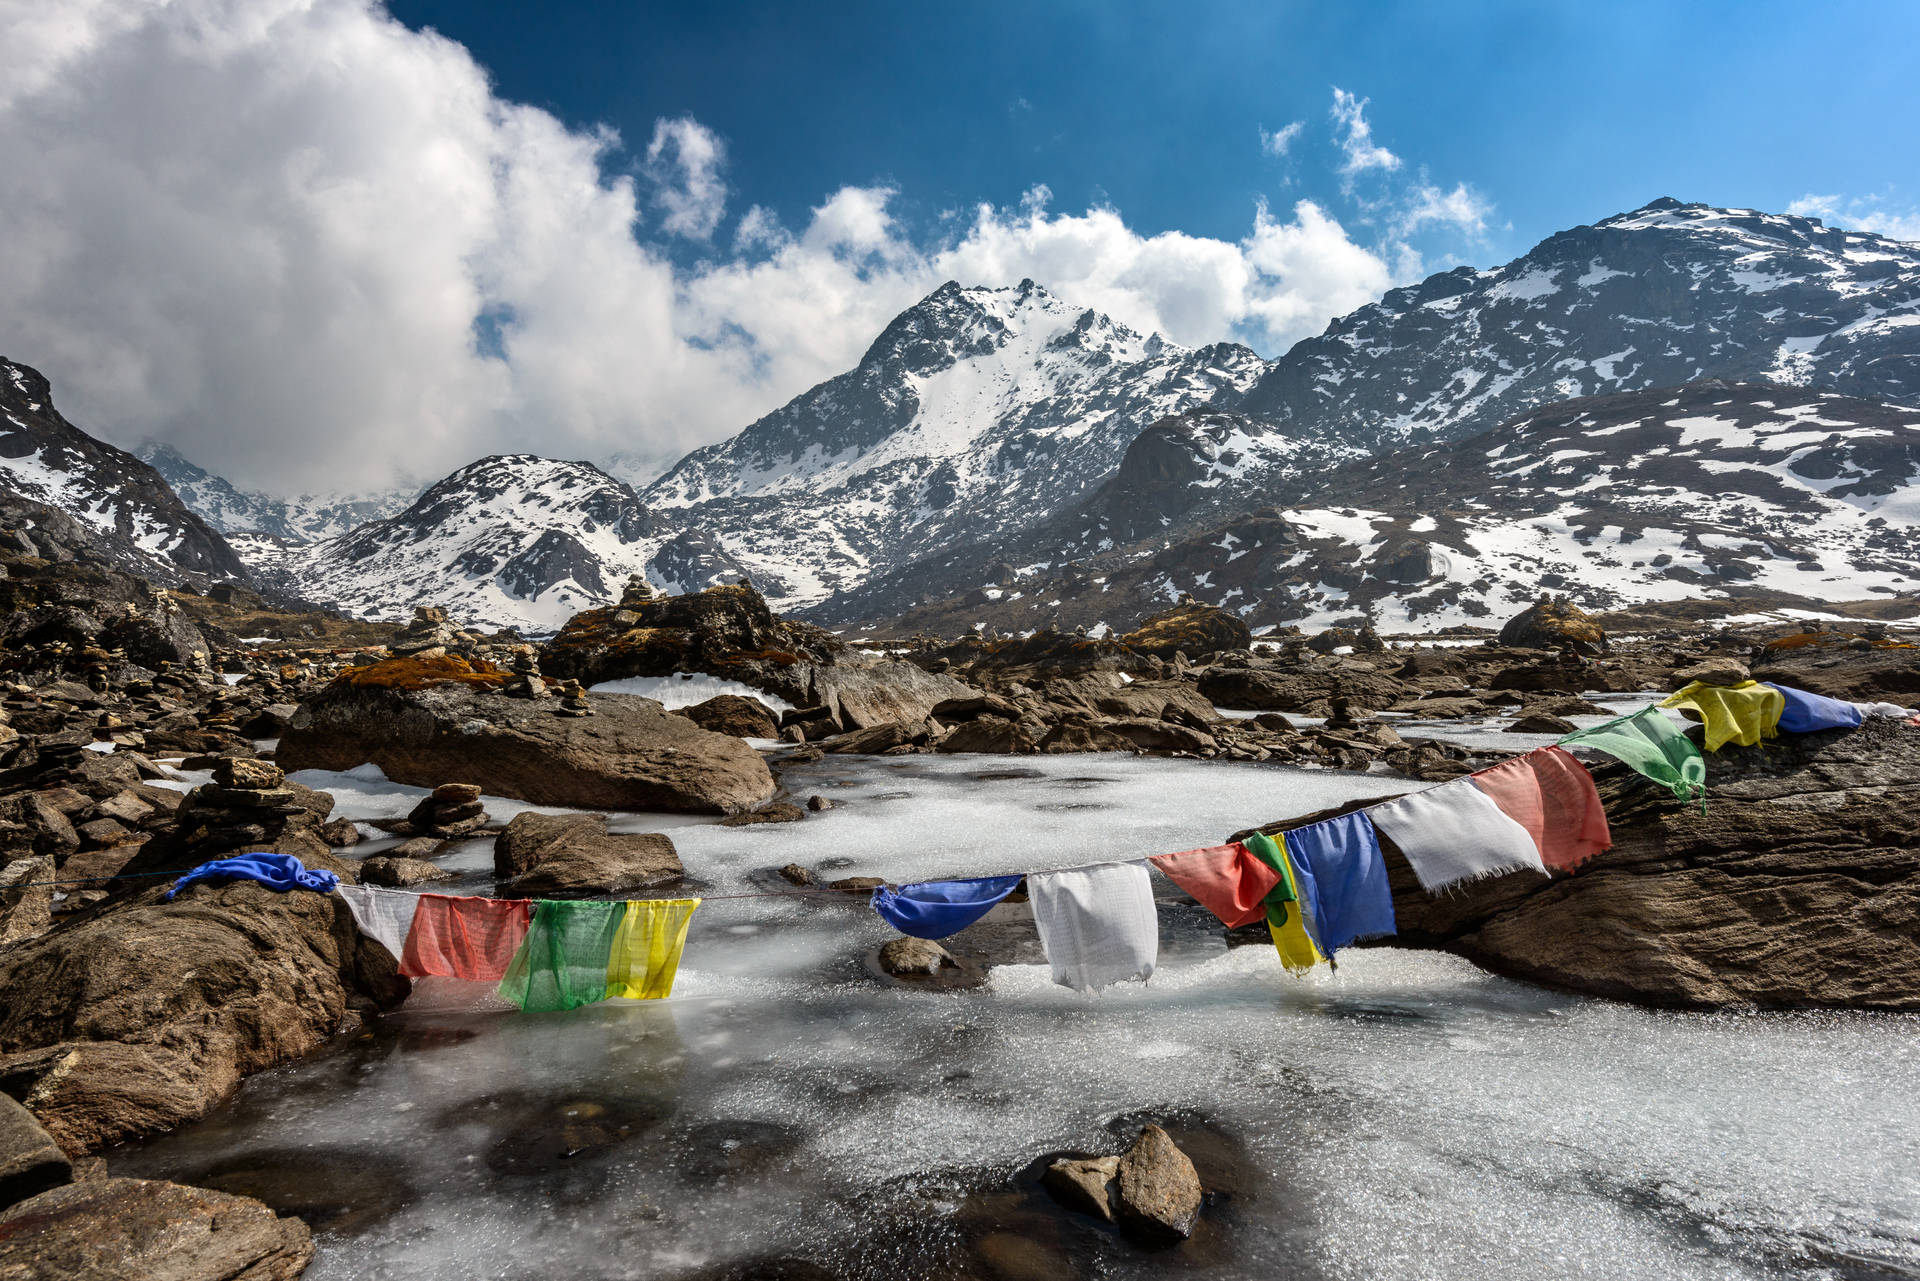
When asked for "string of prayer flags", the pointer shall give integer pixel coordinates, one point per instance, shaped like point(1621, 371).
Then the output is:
point(1097, 924)
point(1454, 833)
point(1341, 877)
point(1652, 745)
point(464, 938)
point(936, 909)
point(383, 915)
point(1806, 713)
point(562, 962)
point(1892, 710)
point(647, 947)
point(1286, 911)
point(1745, 713)
point(1227, 880)
point(1552, 796)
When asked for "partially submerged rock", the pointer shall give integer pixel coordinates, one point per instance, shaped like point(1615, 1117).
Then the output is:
point(734, 714)
point(1152, 1190)
point(574, 856)
point(632, 754)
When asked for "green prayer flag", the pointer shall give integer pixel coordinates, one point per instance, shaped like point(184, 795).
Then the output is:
point(1648, 741)
point(562, 963)
point(1263, 847)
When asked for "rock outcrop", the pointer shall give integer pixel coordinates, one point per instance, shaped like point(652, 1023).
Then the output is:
point(631, 754)
point(1798, 886)
point(1554, 622)
point(114, 1229)
point(144, 1014)
point(1839, 665)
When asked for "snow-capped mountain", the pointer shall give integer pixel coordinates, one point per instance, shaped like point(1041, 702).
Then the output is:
point(46, 459)
point(1713, 491)
point(513, 540)
point(975, 412)
point(1661, 296)
point(231, 510)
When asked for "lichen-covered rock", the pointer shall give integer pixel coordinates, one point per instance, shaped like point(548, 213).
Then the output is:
point(1841, 666)
point(1190, 628)
point(1552, 622)
point(630, 754)
point(114, 1229)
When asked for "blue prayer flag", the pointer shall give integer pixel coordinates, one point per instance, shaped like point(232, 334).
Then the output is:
point(935, 909)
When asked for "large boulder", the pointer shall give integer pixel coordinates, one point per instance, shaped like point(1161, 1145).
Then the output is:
point(1189, 628)
point(1798, 886)
point(574, 856)
point(630, 754)
point(734, 714)
point(114, 1229)
point(30, 1161)
point(144, 1014)
point(1554, 622)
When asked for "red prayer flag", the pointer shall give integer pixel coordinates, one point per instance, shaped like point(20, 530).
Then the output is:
point(1228, 880)
point(464, 938)
point(1551, 794)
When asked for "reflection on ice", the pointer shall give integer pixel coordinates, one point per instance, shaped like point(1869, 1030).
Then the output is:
point(1407, 1116)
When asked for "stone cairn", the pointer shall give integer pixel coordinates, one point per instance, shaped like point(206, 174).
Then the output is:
point(247, 806)
point(573, 699)
point(527, 681)
point(452, 810)
point(429, 635)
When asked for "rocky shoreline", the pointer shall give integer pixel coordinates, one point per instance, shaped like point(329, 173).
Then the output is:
point(140, 738)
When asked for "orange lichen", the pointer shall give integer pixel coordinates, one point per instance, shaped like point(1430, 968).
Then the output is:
point(423, 673)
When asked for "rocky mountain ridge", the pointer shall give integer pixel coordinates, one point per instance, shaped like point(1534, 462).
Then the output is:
point(303, 518)
point(141, 522)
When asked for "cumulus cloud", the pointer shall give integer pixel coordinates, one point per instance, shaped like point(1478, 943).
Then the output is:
point(312, 248)
point(1869, 213)
point(684, 160)
point(1355, 137)
point(1277, 142)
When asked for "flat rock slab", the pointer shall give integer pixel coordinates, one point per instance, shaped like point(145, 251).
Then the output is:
point(631, 754)
point(115, 1229)
point(574, 856)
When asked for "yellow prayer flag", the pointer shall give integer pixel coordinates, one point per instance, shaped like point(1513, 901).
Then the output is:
point(647, 946)
point(1743, 713)
point(1291, 939)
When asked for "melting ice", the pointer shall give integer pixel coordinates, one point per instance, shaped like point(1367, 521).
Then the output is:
point(1409, 1116)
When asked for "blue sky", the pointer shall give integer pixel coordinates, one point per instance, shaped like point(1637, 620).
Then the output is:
point(1555, 114)
point(317, 244)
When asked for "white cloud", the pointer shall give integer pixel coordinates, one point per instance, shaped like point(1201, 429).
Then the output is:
point(1461, 209)
point(684, 160)
point(310, 247)
point(1356, 138)
point(1867, 213)
point(1277, 142)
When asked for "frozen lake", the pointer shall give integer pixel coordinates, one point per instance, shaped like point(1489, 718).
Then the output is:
point(1407, 1117)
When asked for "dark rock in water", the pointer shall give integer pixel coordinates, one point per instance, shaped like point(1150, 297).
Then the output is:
point(574, 856)
point(631, 754)
point(989, 735)
point(1084, 1184)
point(727, 1149)
point(340, 1192)
point(1554, 622)
point(733, 714)
point(138, 1019)
point(907, 955)
point(862, 885)
point(1540, 723)
point(795, 874)
point(881, 738)
point(544, 1134)
point(819, 803)
point(30, 1161)
point(341, 833)
point(1159, 1190)
point(115, 1229)
point(399, 873)
point(1190, 628)
point(778, 812)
